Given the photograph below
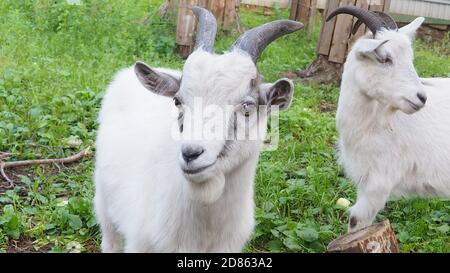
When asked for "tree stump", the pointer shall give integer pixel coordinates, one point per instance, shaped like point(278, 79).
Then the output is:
point(378, 238)
point(321, 71)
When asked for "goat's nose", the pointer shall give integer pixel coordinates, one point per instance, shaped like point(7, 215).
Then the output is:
point(191, 153)
point(422, 97)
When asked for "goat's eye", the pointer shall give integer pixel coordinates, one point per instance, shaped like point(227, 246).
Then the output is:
point(176, 101)
point(247, 108)
point(385, 60)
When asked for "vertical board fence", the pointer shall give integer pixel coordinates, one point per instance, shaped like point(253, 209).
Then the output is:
point(225, 11)
point(304, 11)
point(335, 36)
point(336, 40)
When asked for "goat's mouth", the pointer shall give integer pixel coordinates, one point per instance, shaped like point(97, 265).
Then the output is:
point(413, 105)
point(192, 171)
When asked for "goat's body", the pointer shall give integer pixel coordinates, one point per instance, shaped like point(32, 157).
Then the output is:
point(392, 153)
point(141, 191)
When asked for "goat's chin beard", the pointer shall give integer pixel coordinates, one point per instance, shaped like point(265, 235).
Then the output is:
point(207, 191)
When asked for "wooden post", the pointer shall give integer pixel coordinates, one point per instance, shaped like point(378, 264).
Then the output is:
point(378, 238)
point(336, 38)
point(225, 11)
point(218, 9)
point(300, 10)
point(338, 50)
point(304, 11)
point(326, 34)
point(230, 14)
point(186, 24)
point(312, 16)
point(294, 6)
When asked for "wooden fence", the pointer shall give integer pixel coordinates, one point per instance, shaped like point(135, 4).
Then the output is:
point(267, 3)
point(335, 36)
point(225, 12)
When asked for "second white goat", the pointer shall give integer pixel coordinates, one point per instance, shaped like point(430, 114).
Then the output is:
point(394, 127)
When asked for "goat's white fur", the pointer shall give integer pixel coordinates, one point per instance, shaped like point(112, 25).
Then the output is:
point(143, 201)
point(387, 147)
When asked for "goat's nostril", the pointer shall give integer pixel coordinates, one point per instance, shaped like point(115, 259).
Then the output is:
point(189, 154)
point(422, 97)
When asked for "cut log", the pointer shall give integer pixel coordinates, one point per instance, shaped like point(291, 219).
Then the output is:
point(378, 238)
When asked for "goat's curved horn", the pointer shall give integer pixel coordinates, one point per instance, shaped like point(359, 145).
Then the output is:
point(372, 21)
point(388, 20)
point(255, 40)
point(206, 29)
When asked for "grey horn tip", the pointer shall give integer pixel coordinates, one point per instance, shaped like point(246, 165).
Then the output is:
point(372, 20)
point(255, 40)
point(139, 63)
point(197, 10)
point(206, 28)
point(296, 25)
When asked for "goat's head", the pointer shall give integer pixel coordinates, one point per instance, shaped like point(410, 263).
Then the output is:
point(220, 97)
point(381, 62)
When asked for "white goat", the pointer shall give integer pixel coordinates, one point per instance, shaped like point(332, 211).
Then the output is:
point(155, 193)
point(387, 146)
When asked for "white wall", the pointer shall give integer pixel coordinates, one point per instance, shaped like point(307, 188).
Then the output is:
point(439, 9)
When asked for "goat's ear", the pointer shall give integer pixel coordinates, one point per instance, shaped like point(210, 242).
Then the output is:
point(370, 48)
point(158, 82)
point(411, 28)
point(277, 94)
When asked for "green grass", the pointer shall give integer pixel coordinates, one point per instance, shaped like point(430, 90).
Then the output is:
point(55, 63)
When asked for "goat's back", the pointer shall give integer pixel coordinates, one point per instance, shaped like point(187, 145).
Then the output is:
point(135, 150)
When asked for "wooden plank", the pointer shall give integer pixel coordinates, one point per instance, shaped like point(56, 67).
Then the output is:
point(267, 3)
point(376, 5)
point(387, 5)
point(185, 23)
point(312, 16)
point(303, 11)
point(218, 9)
point(339, 44)
point(322, 4)
point(203, 3)
point(326, 33)
point(230, 15)
point(293, 13)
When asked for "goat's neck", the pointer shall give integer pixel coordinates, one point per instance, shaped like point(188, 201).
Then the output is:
point(238, 192)
point(358, 114)
point(239, 183)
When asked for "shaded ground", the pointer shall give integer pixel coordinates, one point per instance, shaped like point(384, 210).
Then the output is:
point(25, 245)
